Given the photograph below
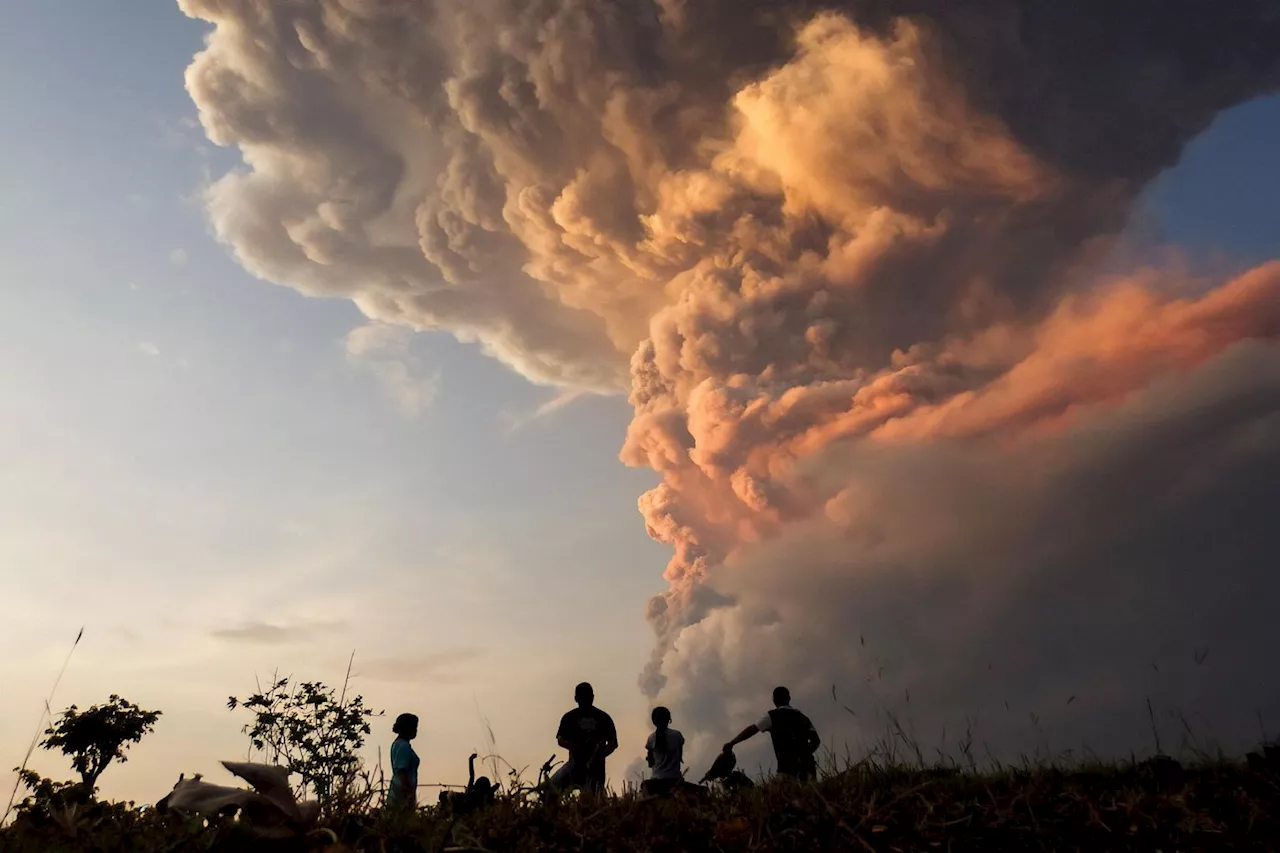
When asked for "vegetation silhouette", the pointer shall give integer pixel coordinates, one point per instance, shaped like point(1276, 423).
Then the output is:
point(888, 797)
point(99, 735)
point(316, 733)
point(93, 739)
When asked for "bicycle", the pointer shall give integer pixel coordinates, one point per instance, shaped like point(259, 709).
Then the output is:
point(545, 789)
point(534, 793)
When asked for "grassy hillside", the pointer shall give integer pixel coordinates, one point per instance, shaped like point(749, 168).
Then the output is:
point(1155, 805)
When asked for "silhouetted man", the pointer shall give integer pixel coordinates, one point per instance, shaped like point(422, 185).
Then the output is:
point(589, 736)
point(795, 740)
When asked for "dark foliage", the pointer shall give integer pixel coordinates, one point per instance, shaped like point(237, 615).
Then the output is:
point(95, 737)
point(1151, 805)
point(316, 733)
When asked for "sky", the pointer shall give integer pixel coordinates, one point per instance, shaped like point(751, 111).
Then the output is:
point(220, 477)
point(193, 458)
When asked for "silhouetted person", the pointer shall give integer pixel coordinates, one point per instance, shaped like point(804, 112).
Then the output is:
point(479, 793)
point(795, 740)
point(403, 792)
point(590, 737)
point(664, 752)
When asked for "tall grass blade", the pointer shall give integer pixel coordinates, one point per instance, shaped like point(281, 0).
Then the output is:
point(35, 739)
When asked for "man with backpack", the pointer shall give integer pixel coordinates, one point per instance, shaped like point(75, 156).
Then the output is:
point(795, 740)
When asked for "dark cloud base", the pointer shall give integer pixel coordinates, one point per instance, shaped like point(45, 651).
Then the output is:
point(1130, 559)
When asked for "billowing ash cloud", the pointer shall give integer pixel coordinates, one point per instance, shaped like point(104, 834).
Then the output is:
point(842, 256)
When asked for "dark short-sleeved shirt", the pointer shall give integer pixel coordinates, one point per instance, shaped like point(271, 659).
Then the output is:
point(585, 729)
point(794, 740)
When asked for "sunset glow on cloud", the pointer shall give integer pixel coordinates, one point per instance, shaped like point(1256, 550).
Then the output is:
point(814, 236)
point(912, 415)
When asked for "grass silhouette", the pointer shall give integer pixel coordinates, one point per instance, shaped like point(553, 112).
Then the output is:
point(888, 795)
point(45, 716)
point(889, 799)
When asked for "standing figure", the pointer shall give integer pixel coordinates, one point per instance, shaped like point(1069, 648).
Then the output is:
point(590, 737)
point(404, 764)
point(795, 740)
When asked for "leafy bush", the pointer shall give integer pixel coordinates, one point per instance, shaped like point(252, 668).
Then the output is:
point(96, 737)
point(92, 739)
point(317, 734)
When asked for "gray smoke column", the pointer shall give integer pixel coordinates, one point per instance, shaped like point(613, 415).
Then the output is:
point(843, 257)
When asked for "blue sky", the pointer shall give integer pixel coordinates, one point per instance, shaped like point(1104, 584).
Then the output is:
point(190, 452)
point(174, 429)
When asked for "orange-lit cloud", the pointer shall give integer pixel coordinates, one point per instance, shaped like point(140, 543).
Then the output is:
point(828, 250)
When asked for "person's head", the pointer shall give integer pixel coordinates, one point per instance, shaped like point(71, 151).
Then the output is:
point(584, 695)
point(781, 696)
point(483, 786)
point(406, 726)
point(661, 719)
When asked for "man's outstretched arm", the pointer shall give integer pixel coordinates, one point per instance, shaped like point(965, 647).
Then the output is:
point(747, 733)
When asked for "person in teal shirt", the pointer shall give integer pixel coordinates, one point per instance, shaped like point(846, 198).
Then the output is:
point(404, 764)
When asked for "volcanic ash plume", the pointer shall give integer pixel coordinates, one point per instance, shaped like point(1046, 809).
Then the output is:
point(845, 258)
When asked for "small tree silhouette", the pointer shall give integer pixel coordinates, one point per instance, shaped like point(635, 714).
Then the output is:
point(312, 730)
point(96, 737)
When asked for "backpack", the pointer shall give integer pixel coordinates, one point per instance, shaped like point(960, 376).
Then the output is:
point(793, 733)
